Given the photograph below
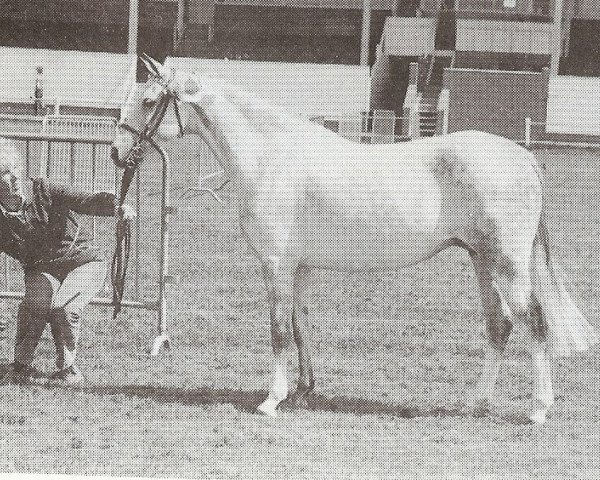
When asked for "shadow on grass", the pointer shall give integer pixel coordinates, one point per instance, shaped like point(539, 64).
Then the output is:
point(247, 401)
point(242, 400)
point(361, 406)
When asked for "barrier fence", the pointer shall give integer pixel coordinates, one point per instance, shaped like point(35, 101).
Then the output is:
point(20, 123)
point(95, 170)
point(383, 126)
point(146, 281)
point(536, 133)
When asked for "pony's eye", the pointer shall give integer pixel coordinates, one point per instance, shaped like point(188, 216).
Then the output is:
point(148, 102)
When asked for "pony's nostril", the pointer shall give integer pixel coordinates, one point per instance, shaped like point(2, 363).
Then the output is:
point(114, 155)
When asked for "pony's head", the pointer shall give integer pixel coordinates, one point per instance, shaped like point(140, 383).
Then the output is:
point(154, 109)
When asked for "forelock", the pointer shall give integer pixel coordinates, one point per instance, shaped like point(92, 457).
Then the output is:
point(190, 85)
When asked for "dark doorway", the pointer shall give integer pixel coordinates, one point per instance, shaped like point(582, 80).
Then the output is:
point(445, 33)
point(584, 49)
point(405, 8)
point(391, 90)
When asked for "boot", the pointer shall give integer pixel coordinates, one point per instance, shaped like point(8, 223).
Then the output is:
point(67, 377)
point(20, 374)
point(65, 327)
point(30, 326)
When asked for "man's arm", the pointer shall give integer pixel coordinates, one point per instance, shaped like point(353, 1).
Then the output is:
point(100, 204)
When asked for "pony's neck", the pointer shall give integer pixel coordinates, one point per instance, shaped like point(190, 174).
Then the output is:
point(239, 127)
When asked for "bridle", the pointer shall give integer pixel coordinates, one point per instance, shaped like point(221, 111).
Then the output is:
point(130, 163)
point(135, 154)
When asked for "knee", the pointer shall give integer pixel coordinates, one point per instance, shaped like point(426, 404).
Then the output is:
point(514, 294)
point(40, 289)
point(69, 314)
point(519, 295)
point(40, 303)
point(29, 316)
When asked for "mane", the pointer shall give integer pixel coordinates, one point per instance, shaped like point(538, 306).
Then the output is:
point(266, 118)
point(259, 113)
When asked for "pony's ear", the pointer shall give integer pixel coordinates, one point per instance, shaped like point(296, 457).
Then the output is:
point(154, 67)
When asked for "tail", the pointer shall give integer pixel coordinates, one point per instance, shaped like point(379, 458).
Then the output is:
point(567, 329)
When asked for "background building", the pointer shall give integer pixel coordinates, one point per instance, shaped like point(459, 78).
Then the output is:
point(322, 31)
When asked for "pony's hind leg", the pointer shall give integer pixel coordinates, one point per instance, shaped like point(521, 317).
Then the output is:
point(498, 327)
point(515, 290)
point(279, 293)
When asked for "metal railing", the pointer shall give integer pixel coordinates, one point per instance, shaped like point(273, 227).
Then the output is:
point(383, 126)
point(95, 171)
point(536, 134)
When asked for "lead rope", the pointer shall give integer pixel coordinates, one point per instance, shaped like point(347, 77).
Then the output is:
point(123, 240)
point(123, 227)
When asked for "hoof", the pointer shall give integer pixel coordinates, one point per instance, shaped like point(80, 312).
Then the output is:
point(268, 407)
point(538, 416)
point(290, 405)
point(296, 401)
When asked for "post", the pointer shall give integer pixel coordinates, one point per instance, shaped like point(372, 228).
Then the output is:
point(180, 18)
point(366, 33)
point(443, 106)
point(407, 108)
point(38, 95)
point(180, 13)
point(527, 131)
point(413, 73)
point(163, 338)
point(556, 37)
point(133, 27)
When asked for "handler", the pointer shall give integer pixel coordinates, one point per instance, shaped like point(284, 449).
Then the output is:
point(63, 270)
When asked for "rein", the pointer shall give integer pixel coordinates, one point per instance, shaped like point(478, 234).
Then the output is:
point(130, 164)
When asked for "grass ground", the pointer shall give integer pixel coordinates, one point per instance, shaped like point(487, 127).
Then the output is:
point(394, 362)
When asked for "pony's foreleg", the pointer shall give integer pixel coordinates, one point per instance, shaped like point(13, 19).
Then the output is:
point(484, 391)
point(279, 293)
point(543, 395)
point(306, 381)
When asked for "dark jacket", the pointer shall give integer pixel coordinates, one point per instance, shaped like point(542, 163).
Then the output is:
point(45, 235)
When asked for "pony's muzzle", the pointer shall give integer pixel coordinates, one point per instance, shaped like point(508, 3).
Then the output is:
point(114, 154)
